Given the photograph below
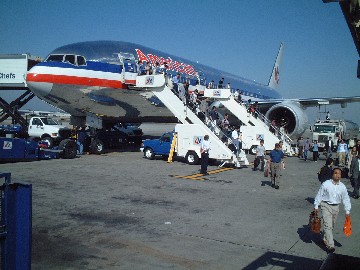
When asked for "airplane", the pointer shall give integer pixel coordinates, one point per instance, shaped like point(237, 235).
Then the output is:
point(88, 79)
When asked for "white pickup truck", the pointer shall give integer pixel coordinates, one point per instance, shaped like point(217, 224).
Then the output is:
point(48, 130)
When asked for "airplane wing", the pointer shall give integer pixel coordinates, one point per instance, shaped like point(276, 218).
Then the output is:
point(312, 102)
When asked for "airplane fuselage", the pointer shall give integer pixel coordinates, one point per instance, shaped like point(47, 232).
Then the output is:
point(87, 77)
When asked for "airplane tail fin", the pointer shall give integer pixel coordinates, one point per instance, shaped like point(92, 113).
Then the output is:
point(275, 74)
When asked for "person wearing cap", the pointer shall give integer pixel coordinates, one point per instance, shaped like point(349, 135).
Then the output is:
point(331, 193)
point(276, 158)
point(204, 151)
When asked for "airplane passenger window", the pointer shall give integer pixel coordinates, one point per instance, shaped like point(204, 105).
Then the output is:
point(81, 61)
point(55, 58)
point(70, 58)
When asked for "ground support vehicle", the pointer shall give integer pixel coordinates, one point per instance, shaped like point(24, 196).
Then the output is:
point(48, 130)
point(324, 129)
point(18, 149)
point(120, 136)
point(14, 147)
point(187, 145)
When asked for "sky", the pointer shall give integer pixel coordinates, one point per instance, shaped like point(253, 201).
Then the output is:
point(240, 37)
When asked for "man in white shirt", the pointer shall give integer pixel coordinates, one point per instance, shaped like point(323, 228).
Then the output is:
point(204, 151)
point(235, 139)
point(342, 152)
point(260, 155)
point(331, 193)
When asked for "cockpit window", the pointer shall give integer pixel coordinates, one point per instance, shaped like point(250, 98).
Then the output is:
point(70, 58)
point(67, 58)
point(55, 58)
point(81, 60)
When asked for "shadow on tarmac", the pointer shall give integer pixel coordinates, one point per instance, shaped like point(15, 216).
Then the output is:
point(284, 261)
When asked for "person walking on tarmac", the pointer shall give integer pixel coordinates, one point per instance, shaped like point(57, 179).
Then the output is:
point(328, 147)
point(260, 156)
point(204, 151)
point(331, 193)
point(276, 157)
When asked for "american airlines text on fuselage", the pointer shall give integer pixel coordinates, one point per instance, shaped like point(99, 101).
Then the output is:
point(172, 65)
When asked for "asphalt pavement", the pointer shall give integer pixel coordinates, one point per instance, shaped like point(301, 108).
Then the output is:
point(122, 211)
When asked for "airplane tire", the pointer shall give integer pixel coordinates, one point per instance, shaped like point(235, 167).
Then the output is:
point(192, 158)
point(97, 147)
point(69, 149)
point(149, 153)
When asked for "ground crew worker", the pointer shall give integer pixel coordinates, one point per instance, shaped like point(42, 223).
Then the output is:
point(204, 151)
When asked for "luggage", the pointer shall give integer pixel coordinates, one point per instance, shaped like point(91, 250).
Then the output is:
point(347, 226)
point(314, 222)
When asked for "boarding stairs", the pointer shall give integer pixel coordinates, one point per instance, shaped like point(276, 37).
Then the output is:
point(156, 83)
point(258, 124)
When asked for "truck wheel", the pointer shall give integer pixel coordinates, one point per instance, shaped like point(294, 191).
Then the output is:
point(69, 149)
point(192, 158)
point(49, 141)
point(97, 147)
point(149, 153)
point(253, 150)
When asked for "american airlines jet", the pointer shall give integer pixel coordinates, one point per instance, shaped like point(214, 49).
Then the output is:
point(89, 78)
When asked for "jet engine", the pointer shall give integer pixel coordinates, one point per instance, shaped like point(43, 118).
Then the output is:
point(291, 116)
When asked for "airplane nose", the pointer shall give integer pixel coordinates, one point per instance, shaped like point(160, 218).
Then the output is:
point(38, 82)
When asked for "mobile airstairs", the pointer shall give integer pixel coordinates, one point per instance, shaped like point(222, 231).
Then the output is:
point(255, 127)
point(221, 152)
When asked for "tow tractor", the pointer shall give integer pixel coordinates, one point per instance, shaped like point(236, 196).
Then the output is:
point(14, 147)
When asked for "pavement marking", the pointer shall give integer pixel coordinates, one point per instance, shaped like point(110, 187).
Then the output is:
point(198, 176)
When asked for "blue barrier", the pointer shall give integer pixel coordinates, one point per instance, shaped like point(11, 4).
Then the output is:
point(15, 224)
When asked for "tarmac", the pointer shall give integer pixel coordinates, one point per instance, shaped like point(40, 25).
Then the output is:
point(122, 211)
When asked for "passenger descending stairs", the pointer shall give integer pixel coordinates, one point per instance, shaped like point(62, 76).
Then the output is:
point(248, 119)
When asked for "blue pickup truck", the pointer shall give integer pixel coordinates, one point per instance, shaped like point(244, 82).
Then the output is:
point(161, 147)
